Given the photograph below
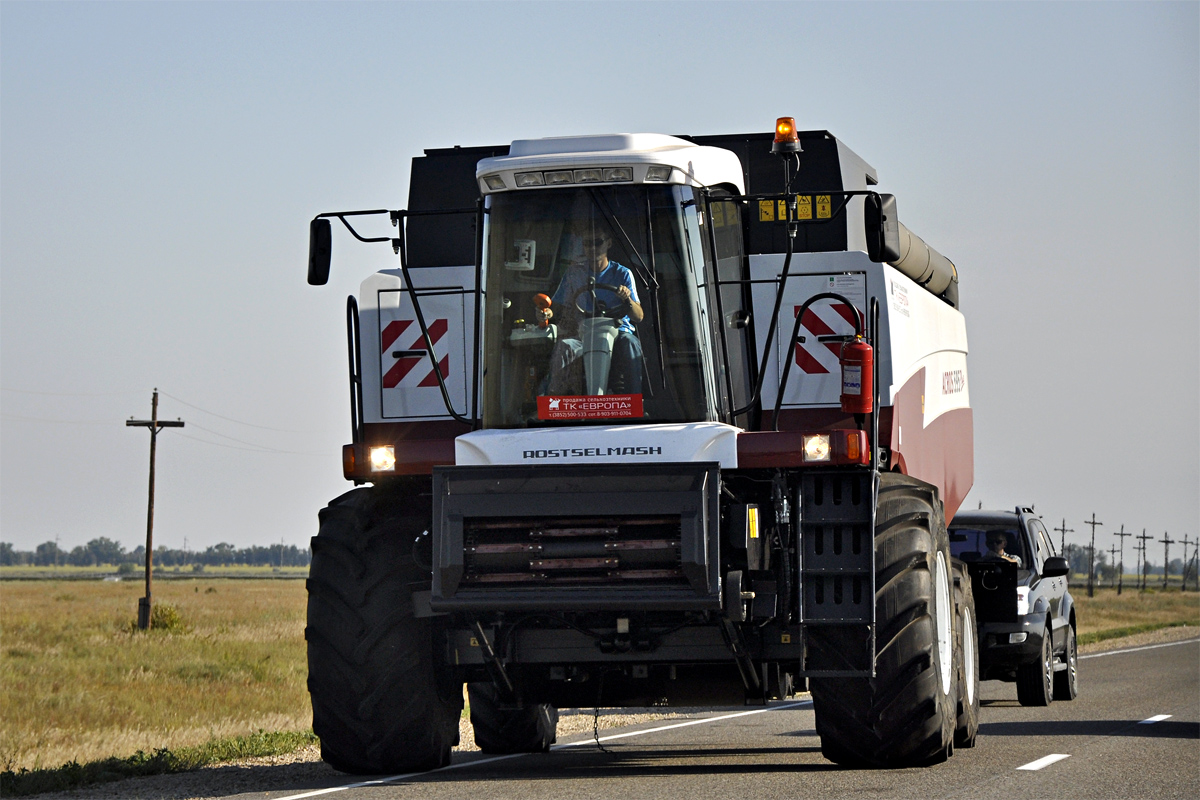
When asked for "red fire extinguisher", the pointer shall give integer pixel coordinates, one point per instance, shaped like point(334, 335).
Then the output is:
point(858, 377)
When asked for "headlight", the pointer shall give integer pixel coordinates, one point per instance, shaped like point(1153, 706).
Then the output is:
point(1022, 600)
point(618, 174)
point(530, 179)
point(494, 182)
point(383, 459)
point(816, 447)
point(558, 177)
point(588, 175)
point(658, 173)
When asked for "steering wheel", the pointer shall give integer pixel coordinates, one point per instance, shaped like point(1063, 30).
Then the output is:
point(599, 307)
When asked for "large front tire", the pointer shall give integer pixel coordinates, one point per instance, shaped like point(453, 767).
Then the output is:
point(905, 715)
point(381, 704)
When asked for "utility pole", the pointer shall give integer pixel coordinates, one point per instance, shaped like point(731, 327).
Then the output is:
point(155, 426)
point(1195, 562)
point(1145, 581)
point(1187, 564)
point(1064, 530)
point(1121, 566)
point(1166, 541)
point(1092, 555)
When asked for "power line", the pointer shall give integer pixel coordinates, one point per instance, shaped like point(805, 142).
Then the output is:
point(54, 421)
point(70, 394)
point(252, 449)
point(227, 419)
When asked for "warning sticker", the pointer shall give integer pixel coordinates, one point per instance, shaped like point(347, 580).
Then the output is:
point(604, 406)
point(782, 210)
point(718, 214)
point(804, 206)
point(824, 207)
point(899, 298)
point(766, 211)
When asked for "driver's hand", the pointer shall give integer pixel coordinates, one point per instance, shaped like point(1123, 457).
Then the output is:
point(623, 294)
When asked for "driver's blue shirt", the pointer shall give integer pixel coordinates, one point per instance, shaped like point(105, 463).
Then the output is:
point(614, 275)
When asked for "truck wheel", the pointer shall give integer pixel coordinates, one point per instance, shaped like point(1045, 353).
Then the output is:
point(380, 702)
point(1066, 682)
point(1035, 682)
point(531, 729)
point(966, 727)
point(905, 715)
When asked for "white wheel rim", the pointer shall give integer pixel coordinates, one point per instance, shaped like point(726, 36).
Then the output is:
point(968, 651)
point(941, 601)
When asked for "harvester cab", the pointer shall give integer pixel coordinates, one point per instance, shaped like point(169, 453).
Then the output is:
point(657, 413)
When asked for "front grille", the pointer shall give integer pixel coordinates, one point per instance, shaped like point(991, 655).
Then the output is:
point(573, 551)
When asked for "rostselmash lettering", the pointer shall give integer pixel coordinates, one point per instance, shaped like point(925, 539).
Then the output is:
point(592, 452)
point(953, 382)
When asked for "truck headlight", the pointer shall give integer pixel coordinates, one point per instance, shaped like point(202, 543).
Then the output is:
point(383, 459)
point(816, 447)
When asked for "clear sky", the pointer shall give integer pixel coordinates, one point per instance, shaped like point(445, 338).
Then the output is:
point(159, 163)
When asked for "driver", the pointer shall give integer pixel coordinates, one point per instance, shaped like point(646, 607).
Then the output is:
point(997, 541)
point(626, 373)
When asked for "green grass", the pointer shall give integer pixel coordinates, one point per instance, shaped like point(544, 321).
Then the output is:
point(73, 774)
point(80, 683)
point(1117, 633)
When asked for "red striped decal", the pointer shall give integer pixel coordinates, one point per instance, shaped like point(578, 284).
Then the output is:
point(392, 332)
point(402, 367)
point(431, 378)
point(806, 362)
point(405, 364)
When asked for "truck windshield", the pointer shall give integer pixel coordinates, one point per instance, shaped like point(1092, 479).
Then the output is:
point(613, 270)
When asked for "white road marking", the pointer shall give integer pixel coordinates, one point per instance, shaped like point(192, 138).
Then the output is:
point(396, 778)
point(1138, 649)
point(1154, 719)
point(681, 725)
point(1034, 766)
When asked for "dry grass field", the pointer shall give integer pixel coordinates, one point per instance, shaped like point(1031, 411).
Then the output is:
point(1108, 611)
point(76, 683)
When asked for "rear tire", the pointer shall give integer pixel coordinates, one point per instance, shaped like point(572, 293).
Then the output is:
point(1035, 682)
point(530, 729)
point(966, 727)
point(905, 715)
point(381, 704)
point(1066, 683)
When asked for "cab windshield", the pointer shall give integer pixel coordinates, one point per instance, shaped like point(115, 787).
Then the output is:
point(593, 311)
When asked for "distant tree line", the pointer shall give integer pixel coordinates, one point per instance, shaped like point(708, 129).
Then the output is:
point(1077, 557)
point(105, 552)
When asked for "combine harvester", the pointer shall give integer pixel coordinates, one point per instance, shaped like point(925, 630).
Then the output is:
point(646, 420)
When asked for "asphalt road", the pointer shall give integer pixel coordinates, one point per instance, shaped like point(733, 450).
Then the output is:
point(1102, 745)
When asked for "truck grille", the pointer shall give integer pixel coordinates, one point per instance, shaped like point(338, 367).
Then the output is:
point(574, 551)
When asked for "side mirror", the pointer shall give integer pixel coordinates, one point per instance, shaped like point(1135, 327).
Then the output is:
point(1055, 566)
point(320, 242)
point(882, 228)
